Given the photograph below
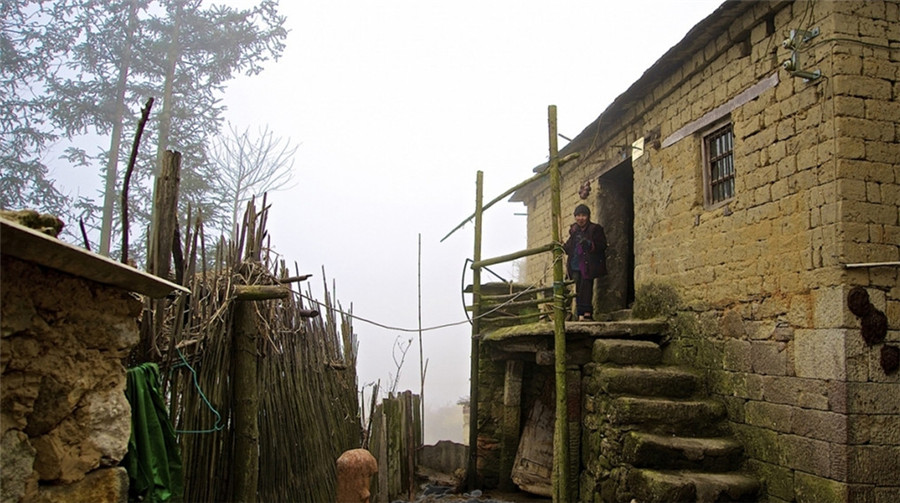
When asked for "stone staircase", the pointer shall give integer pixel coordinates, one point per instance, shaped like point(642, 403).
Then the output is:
point(654, 435)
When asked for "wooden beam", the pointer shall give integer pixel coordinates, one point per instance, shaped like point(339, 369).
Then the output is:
point(261, 292)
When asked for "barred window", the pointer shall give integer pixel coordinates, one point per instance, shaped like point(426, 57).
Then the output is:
point(719, 168)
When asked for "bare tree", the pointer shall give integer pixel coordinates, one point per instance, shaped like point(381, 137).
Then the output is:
point(244, 166)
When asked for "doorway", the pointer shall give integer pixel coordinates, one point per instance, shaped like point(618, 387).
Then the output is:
point(615, 201)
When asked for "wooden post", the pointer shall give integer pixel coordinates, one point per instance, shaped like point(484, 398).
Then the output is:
point(512, 412)
point(472, 466)
point(159, 253)
point(561, 431)
point(245, 390)
point(245, 465)
point(165, 204)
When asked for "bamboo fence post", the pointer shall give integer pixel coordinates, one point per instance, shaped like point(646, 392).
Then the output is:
point(421, 354)
point(471, 470)
point(561, 431)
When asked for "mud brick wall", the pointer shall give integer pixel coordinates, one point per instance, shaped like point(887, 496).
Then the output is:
point(764, 277)
point(65, 421)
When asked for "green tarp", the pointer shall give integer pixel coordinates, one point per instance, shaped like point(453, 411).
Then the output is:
point(153, 461)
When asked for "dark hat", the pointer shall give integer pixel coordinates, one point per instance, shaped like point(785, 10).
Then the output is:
point(582, 209)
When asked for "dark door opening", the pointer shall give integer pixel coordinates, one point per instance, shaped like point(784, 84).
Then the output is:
point(615, 200)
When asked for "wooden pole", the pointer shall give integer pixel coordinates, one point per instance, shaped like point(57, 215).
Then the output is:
point(245, 465)
point(509, 191)
point(261, 292)
point(421, 351)
point(561, 431)
point(513, 256)
point(471, 471)
point(165, 204)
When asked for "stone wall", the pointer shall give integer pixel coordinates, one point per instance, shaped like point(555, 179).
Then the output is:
point(764, 277)
point(65, 421)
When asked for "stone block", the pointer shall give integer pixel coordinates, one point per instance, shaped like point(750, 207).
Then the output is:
point(108, 485)
point(862, 86)
point(761, 444)
point(872, 464)
point(16, 465)
point(800, 311)
point(813, 400)
point(830, 309)
point(806, 454)
point(769, 358)
point(873, 429)
point(820, 354)
point(769, 415)
point(736, 355)
point(873, 398)
point(884, 494)
point(819, 424)
point(810, 488)
point(779, 480)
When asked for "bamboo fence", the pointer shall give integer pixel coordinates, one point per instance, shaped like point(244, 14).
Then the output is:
point(308, 412)
point(395, 442)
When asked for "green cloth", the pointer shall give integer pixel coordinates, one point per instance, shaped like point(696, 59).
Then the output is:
point(153, 461)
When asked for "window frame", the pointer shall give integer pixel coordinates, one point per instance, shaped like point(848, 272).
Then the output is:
point(709, 184)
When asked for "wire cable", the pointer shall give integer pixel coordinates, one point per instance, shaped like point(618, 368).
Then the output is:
point(468, 319)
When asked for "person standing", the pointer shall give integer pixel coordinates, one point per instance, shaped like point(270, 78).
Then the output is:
point(586, 251)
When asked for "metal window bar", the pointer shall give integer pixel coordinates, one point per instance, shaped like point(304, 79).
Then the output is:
point(720, 146)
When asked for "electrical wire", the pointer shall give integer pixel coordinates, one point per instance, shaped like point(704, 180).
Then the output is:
point(468, 319)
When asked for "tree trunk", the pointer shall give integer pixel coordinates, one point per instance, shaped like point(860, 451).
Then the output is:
point(112, 162)
point(165, 115)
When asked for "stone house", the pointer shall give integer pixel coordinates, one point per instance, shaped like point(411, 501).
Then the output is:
point(755, 168)
point(68, 321)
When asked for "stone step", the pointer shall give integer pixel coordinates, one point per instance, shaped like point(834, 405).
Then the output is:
point(663, 415)
point(620, 315)
point(670, 382)
point(647, 450)
point(626, 352)
point(651, 486)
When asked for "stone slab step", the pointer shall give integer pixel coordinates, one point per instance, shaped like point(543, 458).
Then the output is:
point(647, 450)
point(626, 352)
point(620, 315)
point(647, 381)
point(663, 415)
point(651, 486)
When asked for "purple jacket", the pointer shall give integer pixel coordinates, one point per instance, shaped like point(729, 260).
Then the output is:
point(586, 249)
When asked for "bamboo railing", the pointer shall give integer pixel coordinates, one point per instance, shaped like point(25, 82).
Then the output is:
point(562, 486)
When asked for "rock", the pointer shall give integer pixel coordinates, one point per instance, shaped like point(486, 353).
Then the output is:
point(107, 484)
point(16, 465)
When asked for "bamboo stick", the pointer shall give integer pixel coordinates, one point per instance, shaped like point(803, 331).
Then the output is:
point(514, 255)
point(561, 431)
point(472, 466)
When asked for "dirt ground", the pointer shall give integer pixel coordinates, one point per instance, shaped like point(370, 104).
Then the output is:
point(484, 497)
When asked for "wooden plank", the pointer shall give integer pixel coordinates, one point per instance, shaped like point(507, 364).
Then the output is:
point(32, 246)
point(533, 466)
point(509, 432)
